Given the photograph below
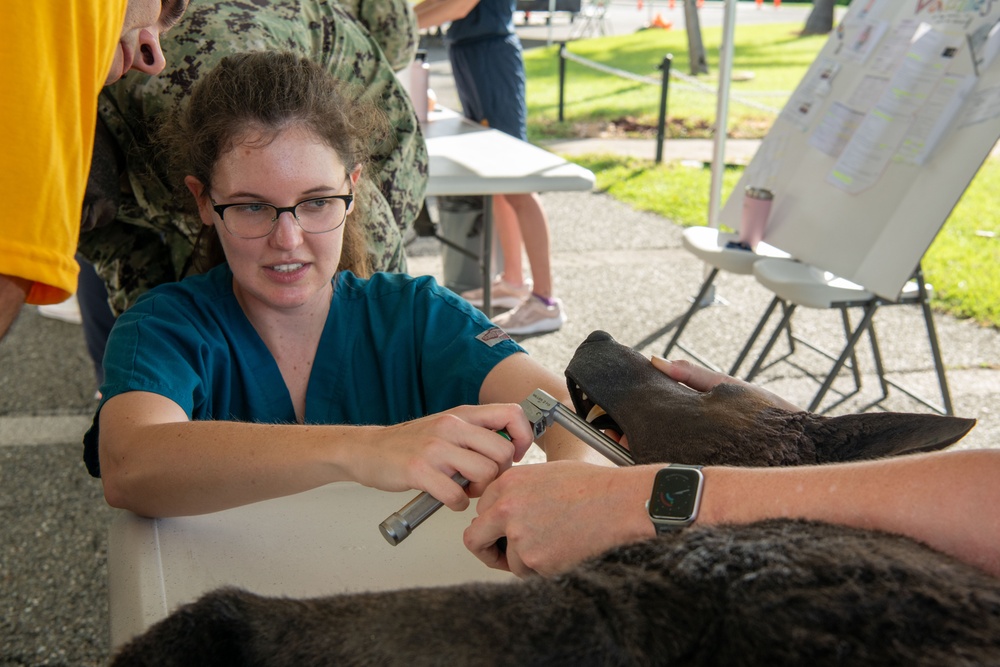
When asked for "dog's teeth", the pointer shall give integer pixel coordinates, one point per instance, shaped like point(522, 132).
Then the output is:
point(595, 412)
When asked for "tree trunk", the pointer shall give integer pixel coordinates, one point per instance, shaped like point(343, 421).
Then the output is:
point(696, 48)
point(820, 21)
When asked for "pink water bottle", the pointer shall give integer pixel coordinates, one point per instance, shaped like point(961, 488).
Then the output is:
point(420, 73)
point(756, 209)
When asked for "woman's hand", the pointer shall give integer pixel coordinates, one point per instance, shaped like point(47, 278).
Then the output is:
point(425, 453)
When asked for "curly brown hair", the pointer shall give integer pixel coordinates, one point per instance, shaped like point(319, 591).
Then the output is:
point(265, 93)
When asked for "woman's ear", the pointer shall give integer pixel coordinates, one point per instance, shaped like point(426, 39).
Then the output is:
point(200, 192)
point(354, 176)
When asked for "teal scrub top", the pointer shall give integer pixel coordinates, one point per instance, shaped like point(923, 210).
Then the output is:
point(394, 348)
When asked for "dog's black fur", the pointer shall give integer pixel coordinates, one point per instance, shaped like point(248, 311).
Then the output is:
point(778, 592)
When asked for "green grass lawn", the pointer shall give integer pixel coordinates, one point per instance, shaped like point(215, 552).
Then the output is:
point(774, 55)
point(963, 263)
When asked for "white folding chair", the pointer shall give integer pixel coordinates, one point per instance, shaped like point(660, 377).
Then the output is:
point(713, 247)
point(796, 284)
point(594, 20)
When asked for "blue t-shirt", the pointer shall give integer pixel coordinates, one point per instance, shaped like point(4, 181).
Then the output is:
point(394, 348)
point(489, 18)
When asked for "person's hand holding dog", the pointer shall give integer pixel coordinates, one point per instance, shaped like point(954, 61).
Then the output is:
point(700, 378)
point(556, 514)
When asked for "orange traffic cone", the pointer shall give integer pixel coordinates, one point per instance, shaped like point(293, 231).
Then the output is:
point(639, 5)
point(659, 22)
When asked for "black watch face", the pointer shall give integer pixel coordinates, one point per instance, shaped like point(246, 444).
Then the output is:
point(674, 494)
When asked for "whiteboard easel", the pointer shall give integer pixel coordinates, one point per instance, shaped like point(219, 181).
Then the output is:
point(838, 203)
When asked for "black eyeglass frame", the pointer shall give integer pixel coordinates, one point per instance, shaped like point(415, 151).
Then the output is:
point(220, 209)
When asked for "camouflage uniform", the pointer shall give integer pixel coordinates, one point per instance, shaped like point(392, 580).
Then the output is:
point(155, 236)
point(392, 23)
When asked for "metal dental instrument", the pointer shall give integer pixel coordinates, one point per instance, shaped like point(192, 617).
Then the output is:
point(398, 525)
point(542, 411)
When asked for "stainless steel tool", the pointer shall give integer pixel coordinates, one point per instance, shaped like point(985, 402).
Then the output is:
point(542, 410)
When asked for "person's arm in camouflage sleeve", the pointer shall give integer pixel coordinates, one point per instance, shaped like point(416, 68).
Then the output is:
point(393, 24)
point(399, 166)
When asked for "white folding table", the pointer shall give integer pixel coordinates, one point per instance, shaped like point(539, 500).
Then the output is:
point(322, 542)
point(469, 159)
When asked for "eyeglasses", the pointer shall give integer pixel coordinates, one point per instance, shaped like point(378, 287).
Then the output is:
point(255, 220)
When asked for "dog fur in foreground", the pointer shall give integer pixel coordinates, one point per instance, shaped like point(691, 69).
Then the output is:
point(776, 592)
point(773, 593)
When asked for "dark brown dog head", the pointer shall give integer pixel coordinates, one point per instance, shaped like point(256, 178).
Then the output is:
point(666, 421)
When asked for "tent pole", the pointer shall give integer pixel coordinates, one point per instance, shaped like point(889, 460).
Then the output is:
point(722, 111)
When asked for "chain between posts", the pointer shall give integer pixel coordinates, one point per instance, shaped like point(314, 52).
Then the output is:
point(664, 82)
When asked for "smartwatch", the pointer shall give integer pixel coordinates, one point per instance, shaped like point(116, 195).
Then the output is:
point(676, 497)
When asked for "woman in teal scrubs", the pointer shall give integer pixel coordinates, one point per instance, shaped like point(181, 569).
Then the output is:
point(289, 366)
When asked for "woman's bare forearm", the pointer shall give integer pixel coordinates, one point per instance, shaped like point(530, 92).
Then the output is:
point(187, 468)
point(431, 13)
point(156, 462)
point(564, 512)
point(13, 292)
point(945, 499)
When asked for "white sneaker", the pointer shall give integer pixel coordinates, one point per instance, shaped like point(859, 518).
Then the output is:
point(532, 317)
point(66, 311)
point(502, 294)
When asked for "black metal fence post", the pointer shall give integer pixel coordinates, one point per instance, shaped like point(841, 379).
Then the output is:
point(662, 121)
point(562, 77)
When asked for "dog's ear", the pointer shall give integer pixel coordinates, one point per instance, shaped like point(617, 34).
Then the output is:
point(875, 435)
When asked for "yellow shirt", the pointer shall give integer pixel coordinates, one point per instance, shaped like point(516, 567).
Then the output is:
point(54, 58)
